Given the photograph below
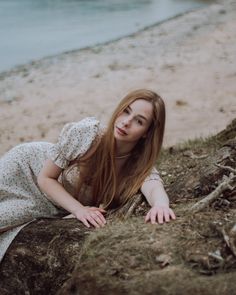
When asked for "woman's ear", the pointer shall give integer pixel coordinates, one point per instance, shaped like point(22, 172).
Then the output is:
point(146, 133)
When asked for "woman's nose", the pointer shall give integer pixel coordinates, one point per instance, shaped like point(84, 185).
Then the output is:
point(126, 121)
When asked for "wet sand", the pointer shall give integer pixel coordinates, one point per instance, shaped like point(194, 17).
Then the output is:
point(189, 60)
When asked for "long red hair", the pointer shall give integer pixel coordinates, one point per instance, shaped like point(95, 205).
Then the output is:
point(99, 169)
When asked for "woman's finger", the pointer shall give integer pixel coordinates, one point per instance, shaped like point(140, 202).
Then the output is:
point(93, 221)
point(98, 213)
point(153, 216)
point(69, 216)
point(167, 215)
point(172, 214)
point(147, 217)
point(85, 222)
point(98, 209)
point(102, 210)
point(99, 218)
point(160, 215)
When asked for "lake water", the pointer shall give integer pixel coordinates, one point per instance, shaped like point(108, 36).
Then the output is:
point(33, 29)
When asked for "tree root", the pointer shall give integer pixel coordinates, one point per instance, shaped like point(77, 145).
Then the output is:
point(126, 210)
point(229, 237)
point(229, 240)
point(227, 168)
point(191, 155)
point(228, 183)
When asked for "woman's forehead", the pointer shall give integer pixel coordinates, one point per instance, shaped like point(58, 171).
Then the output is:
point(142, 106)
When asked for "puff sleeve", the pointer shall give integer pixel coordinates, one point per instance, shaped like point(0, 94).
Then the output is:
point(74, 141)
point(154, 175)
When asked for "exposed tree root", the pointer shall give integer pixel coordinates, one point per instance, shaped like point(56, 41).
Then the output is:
point(228, 183)
point(125, 211)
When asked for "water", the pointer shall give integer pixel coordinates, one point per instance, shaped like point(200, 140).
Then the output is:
point(32, 29)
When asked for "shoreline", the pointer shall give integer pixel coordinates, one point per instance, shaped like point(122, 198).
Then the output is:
point(175, 58)
point(21, 67)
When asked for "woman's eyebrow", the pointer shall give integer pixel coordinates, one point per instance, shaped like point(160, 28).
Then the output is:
point(142, 117)
point(138, 115)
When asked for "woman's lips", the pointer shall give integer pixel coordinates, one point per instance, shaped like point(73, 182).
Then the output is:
point(121, 131)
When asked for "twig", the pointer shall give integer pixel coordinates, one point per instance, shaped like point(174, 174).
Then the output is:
point(226, 168)
point(217, 256)
point(231, 160)
point(225, 236)
point(232, 235)
point(226, 184)
point(193, 156)
point(137, 201)
point(233, 229)
point(126, 210)
point(229, 240)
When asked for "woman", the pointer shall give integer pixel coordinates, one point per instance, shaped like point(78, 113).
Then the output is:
point(88, 170)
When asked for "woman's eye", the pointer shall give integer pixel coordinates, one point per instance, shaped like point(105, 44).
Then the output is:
point(140, 122)
point(126, 111)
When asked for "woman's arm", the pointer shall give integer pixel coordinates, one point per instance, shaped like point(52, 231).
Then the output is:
point(48, 183)
point(156, 196)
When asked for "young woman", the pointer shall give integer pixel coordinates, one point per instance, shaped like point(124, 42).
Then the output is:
point(89, 170)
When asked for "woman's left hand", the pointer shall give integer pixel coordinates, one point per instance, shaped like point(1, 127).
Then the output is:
point(159, 214)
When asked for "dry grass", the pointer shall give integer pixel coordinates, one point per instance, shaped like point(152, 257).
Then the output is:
point(131, 257)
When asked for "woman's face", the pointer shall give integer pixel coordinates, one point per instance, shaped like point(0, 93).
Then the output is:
point(134, 121)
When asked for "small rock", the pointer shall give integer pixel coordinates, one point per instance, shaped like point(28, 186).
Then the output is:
point(221, 109)
point(222, 11)
point(163, 259)
point(180, 103)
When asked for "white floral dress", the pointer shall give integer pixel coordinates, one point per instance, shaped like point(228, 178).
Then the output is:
point(21, 200)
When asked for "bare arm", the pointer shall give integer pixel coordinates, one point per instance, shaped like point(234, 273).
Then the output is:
point(48, 183)
point(156, 196)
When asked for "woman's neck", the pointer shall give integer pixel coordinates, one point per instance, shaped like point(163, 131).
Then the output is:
point(122, 157)
point(123, 150)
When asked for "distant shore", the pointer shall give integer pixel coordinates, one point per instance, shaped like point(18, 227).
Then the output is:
point(189, 60)
point(32, 62)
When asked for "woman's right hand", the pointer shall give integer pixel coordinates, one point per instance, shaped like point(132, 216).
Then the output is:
point(49, 184)
point(90, 216)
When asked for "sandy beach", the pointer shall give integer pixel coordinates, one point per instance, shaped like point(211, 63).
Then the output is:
point(189, 60)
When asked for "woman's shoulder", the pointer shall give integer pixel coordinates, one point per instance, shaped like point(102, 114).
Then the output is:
point(87, 123)
point(85, 129)
point(75, 140)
